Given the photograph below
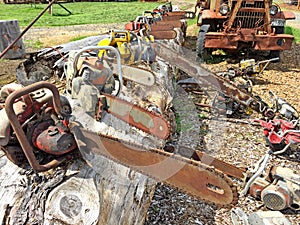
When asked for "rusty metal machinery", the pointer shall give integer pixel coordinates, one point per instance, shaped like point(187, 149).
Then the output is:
point(187, 64)
point(239, 217)
point(39, 121)
point(53, 137)
point(244, 77)
point(157, 29)
point(96, 138)
point(237, 25)
point(278, 190)
point(124, 113)
point(276, 187)
point(90, 110)
point(83, 77)
point(164, 22)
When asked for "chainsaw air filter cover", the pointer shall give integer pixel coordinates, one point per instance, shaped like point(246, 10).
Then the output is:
point(276, 197)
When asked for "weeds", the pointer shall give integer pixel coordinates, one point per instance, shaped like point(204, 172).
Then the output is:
point(293, 31)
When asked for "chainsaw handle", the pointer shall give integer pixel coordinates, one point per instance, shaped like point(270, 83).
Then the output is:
point(262, 163)
point(110, 48)
point(13, 119)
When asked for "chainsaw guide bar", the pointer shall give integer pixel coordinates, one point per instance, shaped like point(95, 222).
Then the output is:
point(190, 176)
point(164, 34)
point(136, 74)
point(139, 117)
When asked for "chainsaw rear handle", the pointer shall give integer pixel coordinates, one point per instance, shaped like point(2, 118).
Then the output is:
point(13, 119)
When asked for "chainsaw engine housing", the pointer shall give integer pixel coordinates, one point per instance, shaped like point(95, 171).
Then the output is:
point(44, 130)
point(279, 190)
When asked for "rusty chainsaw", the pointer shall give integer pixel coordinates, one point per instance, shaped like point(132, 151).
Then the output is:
point(192, 177)
point(94, 87)
point(205, 77)
point(199, 175)
point(41, 123)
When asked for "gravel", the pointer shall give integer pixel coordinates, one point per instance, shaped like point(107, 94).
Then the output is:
point(241, 144)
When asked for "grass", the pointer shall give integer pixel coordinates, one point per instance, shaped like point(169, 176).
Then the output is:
point(82, 13)
point(192, 21)
point(34, 44)
point(79, 38)
point(293, 31)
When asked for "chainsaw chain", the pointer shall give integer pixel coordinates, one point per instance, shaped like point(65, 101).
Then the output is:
point(177, 157)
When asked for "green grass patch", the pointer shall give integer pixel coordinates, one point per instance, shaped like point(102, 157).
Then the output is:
point(79, 38)
point(182, 127)
point(192, 21)
point(293, 31)
point(34, 44)
point(82, 13)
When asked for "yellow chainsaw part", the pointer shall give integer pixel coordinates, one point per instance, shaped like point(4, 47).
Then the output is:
point(104, 42)
point(120, 40)
point(150, 38)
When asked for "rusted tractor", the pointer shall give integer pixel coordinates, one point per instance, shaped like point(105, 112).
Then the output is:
point(238, 25)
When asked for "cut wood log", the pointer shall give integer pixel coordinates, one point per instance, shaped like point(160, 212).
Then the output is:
point(73, 194)
point(9, 31)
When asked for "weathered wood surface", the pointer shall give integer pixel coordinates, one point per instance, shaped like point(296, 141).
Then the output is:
point(73, 194)
point(9, 31)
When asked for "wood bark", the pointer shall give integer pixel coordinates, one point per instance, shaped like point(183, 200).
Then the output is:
point(73, 194)
point(9, 31)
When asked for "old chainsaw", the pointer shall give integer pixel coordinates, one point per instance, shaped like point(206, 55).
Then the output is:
point(40, 122)
point(92, 82)
point(132, 49)
point(205, 77)
point(161, 23)
point(47, 129)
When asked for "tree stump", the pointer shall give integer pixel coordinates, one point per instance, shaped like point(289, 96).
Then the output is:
point(9, 31)
point(73, 194)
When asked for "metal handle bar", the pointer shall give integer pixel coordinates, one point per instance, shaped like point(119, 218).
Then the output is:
point(13, 119)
